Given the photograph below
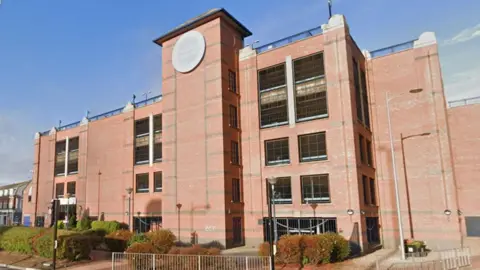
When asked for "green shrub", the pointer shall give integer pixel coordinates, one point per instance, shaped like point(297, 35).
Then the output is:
point(118, 241)
point(107, 226)
point(44, 244)
point(316, 249)
point(341, 247)
point(72, 222)
point(77, 247)
point(60, 225)
point(84, 223)
point(289, 249)
point(18, 239)
point(96, 237)
point(137, 238)
point(162, 240)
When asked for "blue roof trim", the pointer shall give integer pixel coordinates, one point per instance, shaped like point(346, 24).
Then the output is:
point(392, 49)
point(285, 41)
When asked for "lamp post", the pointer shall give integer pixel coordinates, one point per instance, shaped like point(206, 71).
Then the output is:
point(273, 181)
point(409, 207)
point(394, 167)
point(129, 192)
point(270, 222)
point(67, 196)
point(179, 206)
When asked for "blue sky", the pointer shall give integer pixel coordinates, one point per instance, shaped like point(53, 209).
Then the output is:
point(59, 58)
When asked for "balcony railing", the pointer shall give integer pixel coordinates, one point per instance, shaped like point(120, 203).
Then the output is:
point(284, 41)
point(392, 49)
point(463, 102)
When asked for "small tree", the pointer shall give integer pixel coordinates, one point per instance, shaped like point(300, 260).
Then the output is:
point(85, 222)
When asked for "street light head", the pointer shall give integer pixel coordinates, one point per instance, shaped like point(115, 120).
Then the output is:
point(272, 180)
point(414, 91)
point(425, 134)
point(129, 190)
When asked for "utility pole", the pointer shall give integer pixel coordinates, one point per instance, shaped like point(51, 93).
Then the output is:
point(55, 206)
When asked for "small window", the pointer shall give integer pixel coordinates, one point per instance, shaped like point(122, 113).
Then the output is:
point(277, 152)
point(157, 152)
point(369, 154)
point(232, 81)
point(142, 128)
point(157, 182)
point(71, 188)
point(315, 189)
point(235, 158)
point(366, 111)
point(313, 147)
point(237, 230)
point(373, 194)
point(361, 142)
point(233, 117)
point(59, 190)
point(142, 183)
point(157, 123)
point(235, 190)
point(365, 189)
point(30, 194)
point(283, 190)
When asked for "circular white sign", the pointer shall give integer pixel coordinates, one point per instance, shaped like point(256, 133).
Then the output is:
point(188, 51)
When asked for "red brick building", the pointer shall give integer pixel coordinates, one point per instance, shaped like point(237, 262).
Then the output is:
point(308, 110)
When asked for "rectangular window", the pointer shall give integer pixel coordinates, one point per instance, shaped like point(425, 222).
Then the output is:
point(235, 158)
point(283, 190)
point(373, 194)
point(315, 189)
point(273, 96)
point(235, 190)
point(141, 141)
point(277, 152)
point(157, 137)
point(366, 111)
point(157, 182)
point(233, 117)
point(29, 198)
point(310, 88)
point(71, 186)
point(142, 183)
point(232, 81)
point(365, 189)
point(59, 190)
point(369, 154)
point(73, 155)
point(157, 152)
point(358, 94)
point(237, 230)
point(60, 150)
point(361, 148)
point(157, 123)
point(312, 147)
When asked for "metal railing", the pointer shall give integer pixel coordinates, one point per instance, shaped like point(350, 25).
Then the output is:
point(284, 41)
point(392, 49)
point(442, 260)
point(463, 102)
point(148, 101)
point(456, 258)
point(136, 261)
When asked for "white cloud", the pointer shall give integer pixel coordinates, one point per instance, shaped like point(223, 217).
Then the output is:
point(464, 35)
point(463, 84)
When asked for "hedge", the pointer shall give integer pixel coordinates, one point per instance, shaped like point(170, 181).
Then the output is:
point(107, 226)
point(118, 241)
point(18, 239)
point(71, 245)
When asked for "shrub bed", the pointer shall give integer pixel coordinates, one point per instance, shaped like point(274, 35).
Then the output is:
point(162, 240)
point(18, 239)
point(71, 245)
point(107, 226)
point(117, 241)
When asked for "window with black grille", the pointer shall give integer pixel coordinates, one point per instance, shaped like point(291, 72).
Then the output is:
point(235, 156)
point(373, 194)
point(73, 144)
point(315, 189)
point(59, 190)
point(369, 154)
point(365, 190)
point(235, 190)
point(141, 185)
point(60, 150)
point(273, 96)
point(232, 81)
point(277, 152)
point(157, 182)
point(312, 147)
point(233, 116)
point(310, 88)
point(71, 188)
point(282, 190)
point(361, 147)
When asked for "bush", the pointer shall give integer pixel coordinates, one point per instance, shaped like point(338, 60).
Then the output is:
point(85, 223)
point(72, 246)
point(96, 237)
point(18, 239)
point(72, 222)
point(316, 249)
point(118, 241)
point(264, 249)
point(137, 238)
point(341, 247)
point(139, 247)
point(289, 249)
point(162, 240)
point(60, 225)
point(77, 247)
point(195, 250)
point(107, 226)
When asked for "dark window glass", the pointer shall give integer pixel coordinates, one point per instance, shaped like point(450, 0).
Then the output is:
point(73, 155)
point(71, 186)
point(366, 111)
point(283, 190)
point(373, 233)
point(233, 117)
point(358, 94)
point(277, 152)
point(142, 141)
point(369, 153)
point(273, 96)
point(237, 230)
point(312, 147)
point(365, 189)
point(141, 154)
point(232, 81)
point(142, 127)
point(157, 152)
point(142, 183)
point(157, 123)
point(60, 149)
point(235, 190)
point(59, 190)
point(157, 182)
point(373, 196)
point(310, 88)
point(315, 189)
point(361, 142)
point(235, 159)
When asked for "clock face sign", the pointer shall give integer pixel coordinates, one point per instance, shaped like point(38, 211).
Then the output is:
point(188, 51)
